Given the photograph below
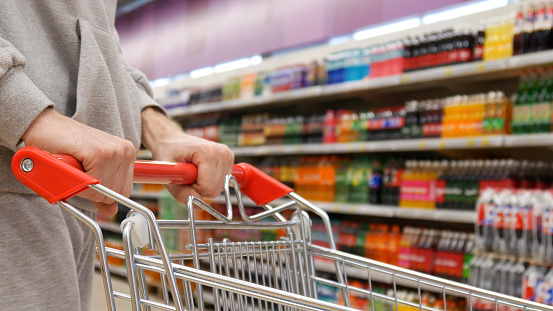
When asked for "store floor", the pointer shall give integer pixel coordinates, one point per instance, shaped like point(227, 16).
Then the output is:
point(119, 285)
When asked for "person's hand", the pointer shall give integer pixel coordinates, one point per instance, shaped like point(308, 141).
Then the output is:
point(103, 156)
point(168, 142)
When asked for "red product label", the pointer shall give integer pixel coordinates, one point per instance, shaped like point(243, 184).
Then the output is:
point(407, 63)
point(453, 57)
point(440, 191)
point(404, 255)
point(465, 55)
point(478, 52)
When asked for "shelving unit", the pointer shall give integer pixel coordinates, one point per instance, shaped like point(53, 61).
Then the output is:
point(503, 68)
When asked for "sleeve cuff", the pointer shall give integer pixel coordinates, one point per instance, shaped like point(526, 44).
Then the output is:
point(147, 101)
point(21, 101)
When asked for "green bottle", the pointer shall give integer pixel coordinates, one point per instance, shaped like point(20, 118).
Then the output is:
point(531, 103)
point(516, 124)
point(542, 109)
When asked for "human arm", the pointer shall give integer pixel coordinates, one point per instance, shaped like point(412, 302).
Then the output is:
point(167, 142)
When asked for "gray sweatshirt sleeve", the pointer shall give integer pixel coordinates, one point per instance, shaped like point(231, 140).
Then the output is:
point(144, 90)
point(21, 101)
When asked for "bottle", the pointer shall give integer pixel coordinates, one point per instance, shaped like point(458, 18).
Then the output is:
point(404, 248)
point(467, 257)
point(527, 36)
point(538, 29)
point(329, 133)
point(519, 113)
point(548, 25)
point(535, 87)
point(517, 39)
point(542, 108)
point(375, 183)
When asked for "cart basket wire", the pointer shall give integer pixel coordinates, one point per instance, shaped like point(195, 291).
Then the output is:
point(214, 272)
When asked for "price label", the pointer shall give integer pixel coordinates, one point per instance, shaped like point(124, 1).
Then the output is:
point(352, 210)
point(363, 147)
point(288, 95)
point(441, 144)
point(422, 144)
point(280, 149)
point(480, 67)
point(263, 151)
point(335, 208)
point(470, 143)
point(447, 71)
point(404, 78)
point(297, 149)
point(310, 91)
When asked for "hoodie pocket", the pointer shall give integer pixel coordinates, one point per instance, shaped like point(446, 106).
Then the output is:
point(105, 98)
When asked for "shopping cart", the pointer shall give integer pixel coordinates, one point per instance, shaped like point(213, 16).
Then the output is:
point(242, 275)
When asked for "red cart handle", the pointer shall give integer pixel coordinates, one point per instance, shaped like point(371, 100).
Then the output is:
point(60, 177)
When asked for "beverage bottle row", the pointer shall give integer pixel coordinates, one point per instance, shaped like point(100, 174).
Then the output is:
point(532, 105)
point(516, 222)
point(439, 49)
point(442, 253)
point(359, 63)
point(533, 30)
point(457, 184)
point(510, 276)
point(498, 42)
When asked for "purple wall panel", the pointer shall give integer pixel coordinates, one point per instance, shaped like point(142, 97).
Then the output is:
point(169, 37)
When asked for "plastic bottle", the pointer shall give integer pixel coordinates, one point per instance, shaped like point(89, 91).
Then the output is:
point(467, 257)
point(485, 221)
point(542, 108)
point(404, 248)
point(517, 39)
point(519, 109)
point(329, 132)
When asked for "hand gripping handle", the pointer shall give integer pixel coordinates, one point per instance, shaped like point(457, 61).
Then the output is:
point(59, 177)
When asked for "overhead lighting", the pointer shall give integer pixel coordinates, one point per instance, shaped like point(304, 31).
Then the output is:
point(339, 40)
point(256, 60)
point(464, 10)
point(160, 82)
point(201, 72)
point(235, 64)
point(387, 29)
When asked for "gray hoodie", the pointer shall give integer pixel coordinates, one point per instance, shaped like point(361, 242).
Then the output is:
point(65, 54)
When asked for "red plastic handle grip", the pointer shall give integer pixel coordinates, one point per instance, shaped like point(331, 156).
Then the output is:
point(57, 180)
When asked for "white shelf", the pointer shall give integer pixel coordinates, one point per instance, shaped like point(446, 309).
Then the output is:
point(387, 211)
point(374, 146)
point(529, 140)
point(411, 78)
point(376, 276)
point(110, 226)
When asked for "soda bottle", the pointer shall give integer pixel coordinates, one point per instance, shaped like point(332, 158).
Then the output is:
point(329, 133)
point(341, 181)
point(517, 39)
point(441, 185)
point(538, 29)
point(518, 271)
point(441, 254)
point(531, 279)
point(530, 102)
point(391, 182)
point(485, 221)
point(542, 108)
point(467, 257)
point(375, 183)
point(527, 35)
point(548, 23)
point(519, 105)
point(479, 39)
point(404, 248)
point(392, 244)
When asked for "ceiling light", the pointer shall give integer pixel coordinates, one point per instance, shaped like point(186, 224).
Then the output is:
point(387, 29)
point(468, 9)
point(201, 72)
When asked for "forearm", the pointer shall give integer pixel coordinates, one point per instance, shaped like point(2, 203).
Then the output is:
point(156, 126)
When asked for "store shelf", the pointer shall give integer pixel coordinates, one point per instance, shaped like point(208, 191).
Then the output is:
point(420, 77)
point(376, 276)
point(110, 226)
point(542, 140)
point(375, 146)
point(386, 211)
